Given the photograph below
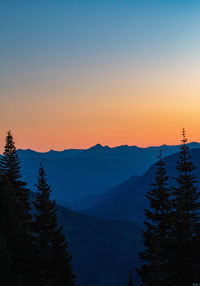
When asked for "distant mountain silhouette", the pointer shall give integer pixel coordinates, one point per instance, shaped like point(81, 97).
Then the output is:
point(124, 152)
point(74, 178)
point(90, 201)
point(129, 199)
point(80, 176)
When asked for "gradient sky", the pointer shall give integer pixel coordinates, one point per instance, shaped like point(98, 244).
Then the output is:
point(74, 73)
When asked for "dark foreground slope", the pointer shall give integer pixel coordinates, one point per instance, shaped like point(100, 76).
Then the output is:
point(130, 199)
point(103, 251)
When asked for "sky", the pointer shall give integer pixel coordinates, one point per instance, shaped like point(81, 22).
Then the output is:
point(74, 73)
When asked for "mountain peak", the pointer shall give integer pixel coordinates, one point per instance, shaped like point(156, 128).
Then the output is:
point(96, 147)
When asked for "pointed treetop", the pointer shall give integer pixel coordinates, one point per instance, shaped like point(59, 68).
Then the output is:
point(184, 163)
point(42, 184)
point(49, 239)
point(184, 139)
point(9, 163)
point(9, 142)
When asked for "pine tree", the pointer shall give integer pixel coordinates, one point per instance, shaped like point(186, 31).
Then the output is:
point(16, 219)
point(54, 262)
point(155, 257)
point(186, 223)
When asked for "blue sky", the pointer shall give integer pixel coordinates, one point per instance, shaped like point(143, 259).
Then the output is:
point(35, 34)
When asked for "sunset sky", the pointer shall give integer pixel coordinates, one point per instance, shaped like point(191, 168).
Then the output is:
point(74, 73)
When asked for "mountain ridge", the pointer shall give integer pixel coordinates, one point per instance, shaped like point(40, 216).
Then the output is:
point(128, 204)
point(76, 174)
point(100, 146)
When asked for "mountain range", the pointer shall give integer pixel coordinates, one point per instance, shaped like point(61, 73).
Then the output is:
point(128, 199)
point(106, 238)
point(78, 177)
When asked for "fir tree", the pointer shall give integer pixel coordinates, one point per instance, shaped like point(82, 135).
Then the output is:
point(186, 223)
point(10, 168)
point(155, 257)
point(10, 165)
point(54, 262)
point(16, 218)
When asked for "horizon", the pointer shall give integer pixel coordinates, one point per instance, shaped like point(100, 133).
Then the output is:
point(99, 142)
point(101, 71)
point(102, 146)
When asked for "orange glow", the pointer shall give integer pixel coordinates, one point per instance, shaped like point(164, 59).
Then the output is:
point(146, 108)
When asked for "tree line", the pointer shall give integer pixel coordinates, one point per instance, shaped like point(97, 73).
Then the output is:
point(171, 236)
point(33, 248)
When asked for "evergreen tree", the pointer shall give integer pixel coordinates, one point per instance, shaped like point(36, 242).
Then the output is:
point(5, 261)
point(7, 233)
point(186, 223)
point(10, 168)
point(16, 218)
point(7, 204)
point(54, 262)
point(155, 257)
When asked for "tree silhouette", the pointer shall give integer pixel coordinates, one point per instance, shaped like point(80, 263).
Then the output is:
point(155, 257)
point(16, 219)
point(5, 261)
point(54, 262)
point(186, 223)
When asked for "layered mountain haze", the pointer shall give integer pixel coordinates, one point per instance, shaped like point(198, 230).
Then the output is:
point(129, 199)
point(89, 92)
point(89, 201)
point(80, 176)
point(76, 177)
point(105, 237)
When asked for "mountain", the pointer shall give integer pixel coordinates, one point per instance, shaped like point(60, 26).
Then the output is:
point(74, 178)
point(123, 152)
point(79, 176)
point(89, 201)
point(103, 251)
point(129, 201)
